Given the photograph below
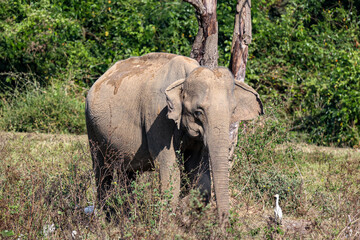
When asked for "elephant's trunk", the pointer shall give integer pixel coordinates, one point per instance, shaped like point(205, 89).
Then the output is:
point(218, 145)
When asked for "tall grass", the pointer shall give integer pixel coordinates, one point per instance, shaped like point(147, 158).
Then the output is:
point(58, 108)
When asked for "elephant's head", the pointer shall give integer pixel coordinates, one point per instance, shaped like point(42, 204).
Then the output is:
point(205, 104)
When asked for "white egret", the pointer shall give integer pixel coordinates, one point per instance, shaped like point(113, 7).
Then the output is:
point(48, 229)
point(277, 210)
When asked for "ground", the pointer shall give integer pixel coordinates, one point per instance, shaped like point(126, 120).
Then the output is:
point(47, 178)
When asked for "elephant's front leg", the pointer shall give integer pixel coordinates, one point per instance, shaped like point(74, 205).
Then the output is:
point(196, 164)
point(169, 174)
point(163, 142)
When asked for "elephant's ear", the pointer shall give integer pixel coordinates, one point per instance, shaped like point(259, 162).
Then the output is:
point(173, 99)
point(248, 103)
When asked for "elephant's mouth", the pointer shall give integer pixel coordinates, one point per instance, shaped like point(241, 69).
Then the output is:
point(193, 127)
point(194, 133)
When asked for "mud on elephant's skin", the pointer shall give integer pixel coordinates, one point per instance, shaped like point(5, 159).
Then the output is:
point(149, 108)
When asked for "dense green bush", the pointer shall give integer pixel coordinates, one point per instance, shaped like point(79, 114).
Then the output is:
point(41, 41)
point(79, 39)
point(307, 54)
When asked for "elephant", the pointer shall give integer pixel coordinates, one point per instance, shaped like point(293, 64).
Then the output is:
point(150, 109)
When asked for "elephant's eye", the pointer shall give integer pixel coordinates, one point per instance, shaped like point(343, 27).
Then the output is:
point(198, 113)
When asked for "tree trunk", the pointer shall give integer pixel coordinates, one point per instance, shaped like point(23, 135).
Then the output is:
point(205, 47)
point(241, 39)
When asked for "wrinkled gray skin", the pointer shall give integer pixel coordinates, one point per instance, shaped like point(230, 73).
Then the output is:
point(147, 109)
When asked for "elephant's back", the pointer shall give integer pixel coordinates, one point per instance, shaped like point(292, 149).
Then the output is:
point(131, 71)
point(125, 80)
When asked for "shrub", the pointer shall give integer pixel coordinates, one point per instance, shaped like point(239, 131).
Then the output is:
point(79, 40)
point(307, 54)
point(36, 39)
point(54, 109)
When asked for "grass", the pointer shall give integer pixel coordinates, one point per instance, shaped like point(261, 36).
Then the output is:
point(47, 179)
point(57, 108)
point(323, 204)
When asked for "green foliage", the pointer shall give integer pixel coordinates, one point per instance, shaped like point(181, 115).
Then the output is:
point(308, 53)
point(55, 109)
point(79, 40)
point(7, 233)
point(305, 53)
point(41, 41)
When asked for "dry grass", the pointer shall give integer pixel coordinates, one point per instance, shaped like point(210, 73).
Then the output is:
point(326, 203)
point(47, 182)
point(47, 179)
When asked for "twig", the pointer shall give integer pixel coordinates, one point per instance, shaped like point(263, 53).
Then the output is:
point(246, 183)
point(302, 181)
point(346, 227)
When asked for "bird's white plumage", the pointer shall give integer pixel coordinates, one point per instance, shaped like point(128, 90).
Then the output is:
point(277, 210)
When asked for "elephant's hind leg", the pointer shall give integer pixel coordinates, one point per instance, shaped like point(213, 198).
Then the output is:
point(103, 176)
